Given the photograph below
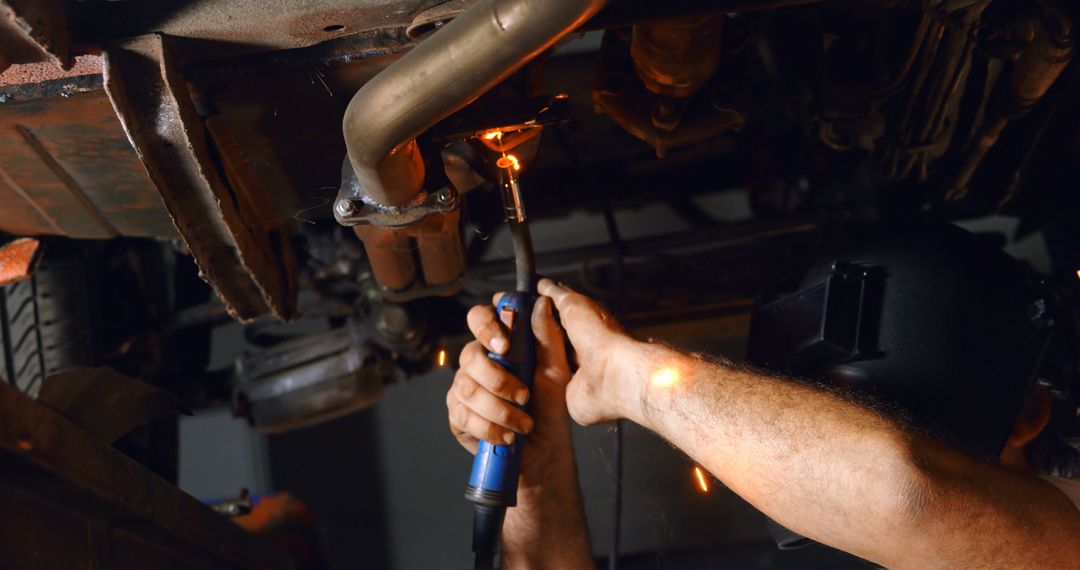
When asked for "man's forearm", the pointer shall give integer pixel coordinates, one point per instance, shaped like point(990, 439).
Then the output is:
point(821, 465)
point(547, 528)
point(814, 462)
point(845, 475)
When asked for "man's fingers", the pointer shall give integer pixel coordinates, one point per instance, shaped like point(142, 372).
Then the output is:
point(550, 343)
point(468, 425)
point(556, 291)
point(457, 413)
point(574, 308)
point(490, 407)
point(485, 326)
point(491, 376)
point(564, 297)
point(470, 443)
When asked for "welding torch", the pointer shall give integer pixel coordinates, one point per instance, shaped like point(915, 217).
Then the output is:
point(493, 482)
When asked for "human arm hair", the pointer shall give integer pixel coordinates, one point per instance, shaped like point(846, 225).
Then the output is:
point(843, 473)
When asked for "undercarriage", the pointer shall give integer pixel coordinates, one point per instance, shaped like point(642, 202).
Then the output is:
point(335, 175)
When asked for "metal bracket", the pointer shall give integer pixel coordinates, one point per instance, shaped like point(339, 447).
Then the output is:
point(353, 206)
point(248, 263)
point(307, 380)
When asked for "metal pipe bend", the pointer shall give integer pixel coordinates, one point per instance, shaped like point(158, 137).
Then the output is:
point(447, 71)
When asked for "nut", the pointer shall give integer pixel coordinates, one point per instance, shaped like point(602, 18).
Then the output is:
point(344, 208)
point(444, 196)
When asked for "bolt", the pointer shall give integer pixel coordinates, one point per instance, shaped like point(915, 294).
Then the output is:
point(444, 196)
point(392, 320)
point(344, 208)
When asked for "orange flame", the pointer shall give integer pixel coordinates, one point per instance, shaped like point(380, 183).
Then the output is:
point(442, 357)
point(509, 161)
point(492, 135)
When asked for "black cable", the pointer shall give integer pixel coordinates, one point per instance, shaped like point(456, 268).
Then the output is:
point(617, 436)
point(616, 511)
point(487, 528)
point(524, 257)
point(484, 561)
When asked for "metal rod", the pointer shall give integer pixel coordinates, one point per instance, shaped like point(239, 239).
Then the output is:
point(698, 240)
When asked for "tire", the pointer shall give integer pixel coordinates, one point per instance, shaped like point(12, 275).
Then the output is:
point(56, 320)
point(45, 322)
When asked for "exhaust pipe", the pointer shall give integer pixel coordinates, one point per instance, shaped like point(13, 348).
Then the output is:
point(384, 190)
point(464, 59)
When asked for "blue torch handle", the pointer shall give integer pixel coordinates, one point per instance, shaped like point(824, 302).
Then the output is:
point(494, 476)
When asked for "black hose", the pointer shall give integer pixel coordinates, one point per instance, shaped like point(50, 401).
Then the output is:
point(484, 561)
point(619, 304)
point(524, 257)
point(487, 527)
point(616, 491)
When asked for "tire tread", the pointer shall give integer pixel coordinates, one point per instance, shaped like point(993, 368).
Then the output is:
point(45, 323)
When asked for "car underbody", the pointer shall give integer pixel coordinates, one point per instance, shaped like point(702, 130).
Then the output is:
point(331, 173)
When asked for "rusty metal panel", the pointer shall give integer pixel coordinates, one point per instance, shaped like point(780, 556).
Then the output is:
point(226, 28)
point(34, 31)
point(27, 73)
point(249, 271)
point(66, 167)
point(256, 212)
point(18, 260)
point(70, 501)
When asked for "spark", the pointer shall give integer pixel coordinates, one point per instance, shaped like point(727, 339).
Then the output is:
point(702, 482)
point(319, 75)
point(492, 135)
point(442, 357)
point(665, 377)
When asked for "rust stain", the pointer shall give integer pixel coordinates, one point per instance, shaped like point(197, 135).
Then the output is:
point(79, 196)
point(26, 73)
point(19, 259)
point(76, 174)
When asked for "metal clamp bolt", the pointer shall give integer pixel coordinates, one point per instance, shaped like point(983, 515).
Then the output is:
point(344, 207)
point(444, 196)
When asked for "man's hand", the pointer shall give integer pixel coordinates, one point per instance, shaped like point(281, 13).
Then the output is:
point(482, 401)
point(481, 406)
point(599, 390)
